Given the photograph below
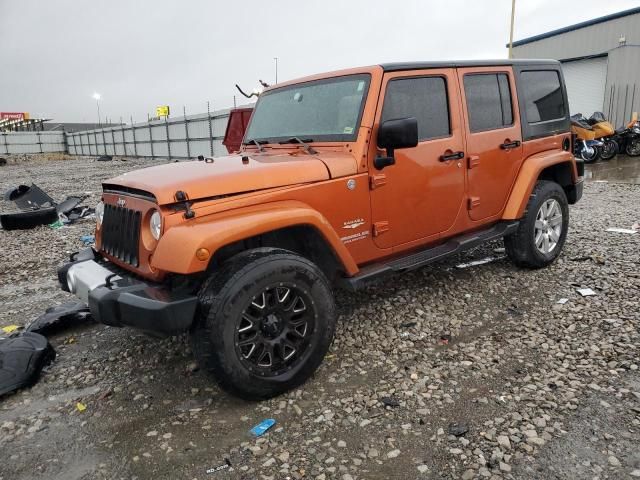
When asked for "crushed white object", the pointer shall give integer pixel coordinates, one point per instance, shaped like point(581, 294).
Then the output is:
point(586, 292)
point(562, 301)
point(622, 230)
point(482, 261)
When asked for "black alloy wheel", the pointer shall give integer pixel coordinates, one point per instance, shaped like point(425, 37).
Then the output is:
point(273, 332)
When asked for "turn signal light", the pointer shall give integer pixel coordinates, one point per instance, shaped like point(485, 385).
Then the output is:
point(202, 254)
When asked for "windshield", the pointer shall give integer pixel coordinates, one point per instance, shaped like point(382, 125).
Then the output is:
point(323, 110)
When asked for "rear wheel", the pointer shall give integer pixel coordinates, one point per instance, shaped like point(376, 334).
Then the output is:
point(266, 320)
point(633, 148)
point(542, 232)
point(609, 149)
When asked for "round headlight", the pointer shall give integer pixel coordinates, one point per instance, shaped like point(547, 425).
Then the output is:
point(636, 129)
point(155, 225)
point(99, 213)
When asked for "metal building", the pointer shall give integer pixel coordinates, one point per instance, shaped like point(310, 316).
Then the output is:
point(600, 60)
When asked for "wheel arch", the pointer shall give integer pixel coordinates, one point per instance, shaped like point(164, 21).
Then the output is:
point(557, 166)
point(303, 239)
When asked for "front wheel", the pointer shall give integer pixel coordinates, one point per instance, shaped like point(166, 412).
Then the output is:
point(266, 321)
point(589, 154)
point(542, 232)
point(633, 148)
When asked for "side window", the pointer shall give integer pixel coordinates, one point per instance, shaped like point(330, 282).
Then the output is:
point(488, 101)
point(424, 98)
point(542, 95)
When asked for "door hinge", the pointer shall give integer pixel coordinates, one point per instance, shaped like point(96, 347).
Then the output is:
point(377, 180)
point(380, 227)
point(474, 161)
point(474, 202)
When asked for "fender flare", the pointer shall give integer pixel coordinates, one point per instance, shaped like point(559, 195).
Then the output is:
point(528, 176)
point(176, 250)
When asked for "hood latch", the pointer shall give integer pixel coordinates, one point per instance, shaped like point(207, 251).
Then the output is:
point(181, 196)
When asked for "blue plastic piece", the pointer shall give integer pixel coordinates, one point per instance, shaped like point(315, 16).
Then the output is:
point(88, 239)
point(262, 427)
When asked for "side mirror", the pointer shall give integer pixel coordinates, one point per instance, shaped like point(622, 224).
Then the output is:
point(393, 134)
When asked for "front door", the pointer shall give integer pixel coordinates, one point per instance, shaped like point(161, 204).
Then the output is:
point(421, 195)
point(494, 150)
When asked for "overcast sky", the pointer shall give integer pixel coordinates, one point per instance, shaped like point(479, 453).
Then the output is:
point(54, 54)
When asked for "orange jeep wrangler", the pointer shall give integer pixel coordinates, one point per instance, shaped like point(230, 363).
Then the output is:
point(342, 178)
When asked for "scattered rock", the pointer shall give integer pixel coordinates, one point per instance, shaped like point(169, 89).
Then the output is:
point(458, 429)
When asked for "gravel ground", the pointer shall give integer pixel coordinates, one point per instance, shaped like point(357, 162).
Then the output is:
point(524, 388)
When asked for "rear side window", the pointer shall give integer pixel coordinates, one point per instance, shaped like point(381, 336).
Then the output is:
point(424, 98)
point(542, 95)
point(488, 101)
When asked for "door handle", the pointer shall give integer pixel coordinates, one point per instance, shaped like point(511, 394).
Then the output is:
point(509, 144)
point(449, 155)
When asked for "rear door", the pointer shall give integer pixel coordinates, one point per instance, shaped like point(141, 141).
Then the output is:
point(421, 195)
point(494, 138)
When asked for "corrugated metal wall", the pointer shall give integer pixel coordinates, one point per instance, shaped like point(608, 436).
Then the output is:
point(623, 73)
point(31, 142)
point(181, 137)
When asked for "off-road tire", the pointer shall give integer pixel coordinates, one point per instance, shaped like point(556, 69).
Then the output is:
point(520, 245)
point(223, 300)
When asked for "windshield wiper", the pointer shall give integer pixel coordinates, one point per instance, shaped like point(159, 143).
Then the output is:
point(304, 142)
point(257, 143)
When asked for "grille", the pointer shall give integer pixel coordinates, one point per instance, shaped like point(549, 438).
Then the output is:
point(121, 233)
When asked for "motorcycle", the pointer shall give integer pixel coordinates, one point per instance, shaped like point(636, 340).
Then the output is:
point(628, 138)
point(585, 146)
point(604, 132)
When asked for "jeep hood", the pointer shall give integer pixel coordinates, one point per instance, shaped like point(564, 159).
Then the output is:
point(229, 174)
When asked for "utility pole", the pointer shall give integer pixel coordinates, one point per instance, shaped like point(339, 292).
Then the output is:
point(513, 17)
point(276, 60)
point(97, 97)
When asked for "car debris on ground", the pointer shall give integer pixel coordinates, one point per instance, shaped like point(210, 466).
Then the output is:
point(22, 356)
point(630, 231)
point(38, 208)
point(481, 261)
point(262, 427)
point(61, 316)
point(586, 292)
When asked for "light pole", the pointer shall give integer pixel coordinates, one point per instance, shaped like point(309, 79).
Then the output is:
point(276, 60)
point(97, 96)
point(513, 16)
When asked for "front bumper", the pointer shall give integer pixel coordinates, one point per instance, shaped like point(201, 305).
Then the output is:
point(117, 299)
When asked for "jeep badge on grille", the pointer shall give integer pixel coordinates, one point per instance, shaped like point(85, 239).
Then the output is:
point(121, 202)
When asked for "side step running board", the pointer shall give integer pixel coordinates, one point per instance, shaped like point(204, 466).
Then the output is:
point(429, 255)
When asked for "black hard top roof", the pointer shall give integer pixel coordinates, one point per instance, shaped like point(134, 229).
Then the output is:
point(396, 67)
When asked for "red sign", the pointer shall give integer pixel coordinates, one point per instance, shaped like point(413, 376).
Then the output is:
point(13, 116)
